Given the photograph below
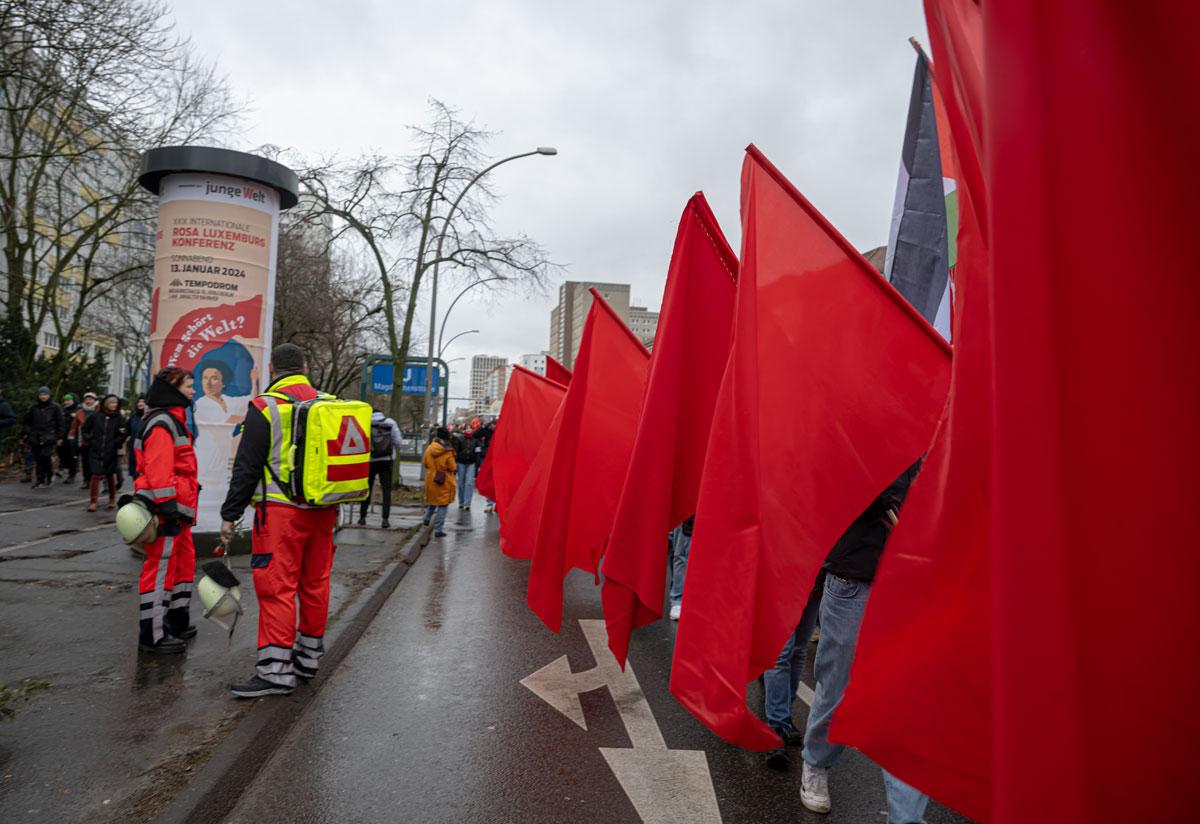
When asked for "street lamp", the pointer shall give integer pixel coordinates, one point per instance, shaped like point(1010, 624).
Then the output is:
point(442, 349)
point(549, 151)
point(446, 316)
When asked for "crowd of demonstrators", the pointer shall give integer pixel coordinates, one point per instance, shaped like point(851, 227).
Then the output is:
point(385, 443)
point(440, 479)
point(105, 432)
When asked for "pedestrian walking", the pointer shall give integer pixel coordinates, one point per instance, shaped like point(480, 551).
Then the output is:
point(135, 429)
point(104, 432)
point(781, 681)
point(166, 465)
point(76, 433)
point(68, 450)
point(681, 543)
point(440, 482)
point(483, 440)
point(385, 440)
point(43, 428)
point(292, 541)
point(849, 570)
point(464, 456)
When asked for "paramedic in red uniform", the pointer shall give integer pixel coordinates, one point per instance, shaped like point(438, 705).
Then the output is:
point(166, 478)
point(292, 543)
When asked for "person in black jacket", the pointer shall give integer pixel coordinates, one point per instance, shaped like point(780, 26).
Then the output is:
point(8, 418)
point(849, 570)
point(104, 432)
point(43, 430)
point(135, 429)
point(465, 447)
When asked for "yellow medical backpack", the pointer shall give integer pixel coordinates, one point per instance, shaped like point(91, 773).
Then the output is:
point(330, 453)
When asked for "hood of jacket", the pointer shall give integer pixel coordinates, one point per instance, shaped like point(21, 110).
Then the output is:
point(163, 395)
point(438, 448)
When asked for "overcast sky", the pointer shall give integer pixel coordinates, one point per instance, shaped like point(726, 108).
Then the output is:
point(646, 102)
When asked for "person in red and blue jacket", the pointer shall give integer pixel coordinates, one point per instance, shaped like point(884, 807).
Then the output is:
point(166, 479)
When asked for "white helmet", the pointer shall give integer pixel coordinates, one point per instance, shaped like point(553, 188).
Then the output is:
point(219, 593)
point(135, 521)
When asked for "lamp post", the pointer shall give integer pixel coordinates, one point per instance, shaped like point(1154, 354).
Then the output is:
point(446, 317)
point(540, 150)
point(442, 349)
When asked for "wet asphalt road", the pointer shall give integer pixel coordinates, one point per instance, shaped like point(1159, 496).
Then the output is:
point(427, 721)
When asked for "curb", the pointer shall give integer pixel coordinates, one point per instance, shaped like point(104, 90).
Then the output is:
point(216, 789)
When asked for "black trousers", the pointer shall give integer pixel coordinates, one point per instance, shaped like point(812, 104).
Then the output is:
point(68, 458)
point(85, 461)
point(383, 471)
point(43, 458)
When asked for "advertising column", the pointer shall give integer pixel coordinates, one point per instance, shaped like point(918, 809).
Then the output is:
point(214, 293)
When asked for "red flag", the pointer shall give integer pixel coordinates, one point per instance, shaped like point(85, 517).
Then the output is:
point(660, 491)
point(597, 425)
point(833, 388)
point(1091, 625)
point(555, 371)
point(530, 402)
point(919, 700)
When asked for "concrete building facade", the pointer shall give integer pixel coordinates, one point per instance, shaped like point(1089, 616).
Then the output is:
point(485, 386)
point(574, 303)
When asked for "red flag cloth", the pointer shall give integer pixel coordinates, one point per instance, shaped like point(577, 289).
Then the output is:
point(591, 456)
point(530, 402)
point(555, 371)
point(522, 519)
point(919, 699)
point(833, 387)
point(690, 350)
point(1094, 440)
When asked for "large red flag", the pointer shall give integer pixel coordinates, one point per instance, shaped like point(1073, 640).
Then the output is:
point(591, 456)
point(530, 402)
point(555, 371)
point(690, 350)
point(919, 700)
point(833, 387)
point(522, 519)
point(1094, 441)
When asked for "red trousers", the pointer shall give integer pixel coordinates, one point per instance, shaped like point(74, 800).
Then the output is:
point(293, 556)
point(166, 580)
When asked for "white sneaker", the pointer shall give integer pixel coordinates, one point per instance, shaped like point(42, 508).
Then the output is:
point(675, 610)
point(814, 788)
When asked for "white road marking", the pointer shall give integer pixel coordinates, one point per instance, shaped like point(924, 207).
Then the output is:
point(804, 693)
point(665, 786)
point(45, 506)
point(28, 544)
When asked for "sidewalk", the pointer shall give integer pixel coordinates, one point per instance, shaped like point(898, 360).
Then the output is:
point(117, 734)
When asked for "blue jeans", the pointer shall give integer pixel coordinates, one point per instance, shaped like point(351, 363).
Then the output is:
point(781, 681)
point(681, 545)
point(437, 514)
point(842, 608)
point(466, 484)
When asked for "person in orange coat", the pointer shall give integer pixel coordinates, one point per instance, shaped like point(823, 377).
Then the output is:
point(440, 484)
point(166, 465)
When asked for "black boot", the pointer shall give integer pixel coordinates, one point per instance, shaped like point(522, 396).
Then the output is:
point(167, 645)
point(179, 623)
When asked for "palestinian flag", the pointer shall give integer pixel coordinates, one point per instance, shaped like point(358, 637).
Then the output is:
point(921, 243)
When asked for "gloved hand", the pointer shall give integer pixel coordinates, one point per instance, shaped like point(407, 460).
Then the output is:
point(171, 526)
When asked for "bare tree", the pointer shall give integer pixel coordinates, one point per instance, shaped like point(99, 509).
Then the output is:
point(85, 87)
point(401, 210)
point(327, 302)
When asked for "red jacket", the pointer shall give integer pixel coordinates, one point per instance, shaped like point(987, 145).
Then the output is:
point(166, 463)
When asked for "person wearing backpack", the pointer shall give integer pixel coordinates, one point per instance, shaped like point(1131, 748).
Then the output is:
point(385, 440)
point(292, 538)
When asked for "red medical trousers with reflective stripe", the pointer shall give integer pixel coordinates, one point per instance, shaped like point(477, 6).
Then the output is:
point(166, 581)
point(291, 561)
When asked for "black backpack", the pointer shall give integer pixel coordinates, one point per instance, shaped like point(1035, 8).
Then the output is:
point(381, 440)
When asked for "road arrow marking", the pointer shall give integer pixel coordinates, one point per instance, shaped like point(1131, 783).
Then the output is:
point(665, 786)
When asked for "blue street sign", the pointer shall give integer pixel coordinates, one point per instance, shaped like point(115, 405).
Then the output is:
point(383, 378)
